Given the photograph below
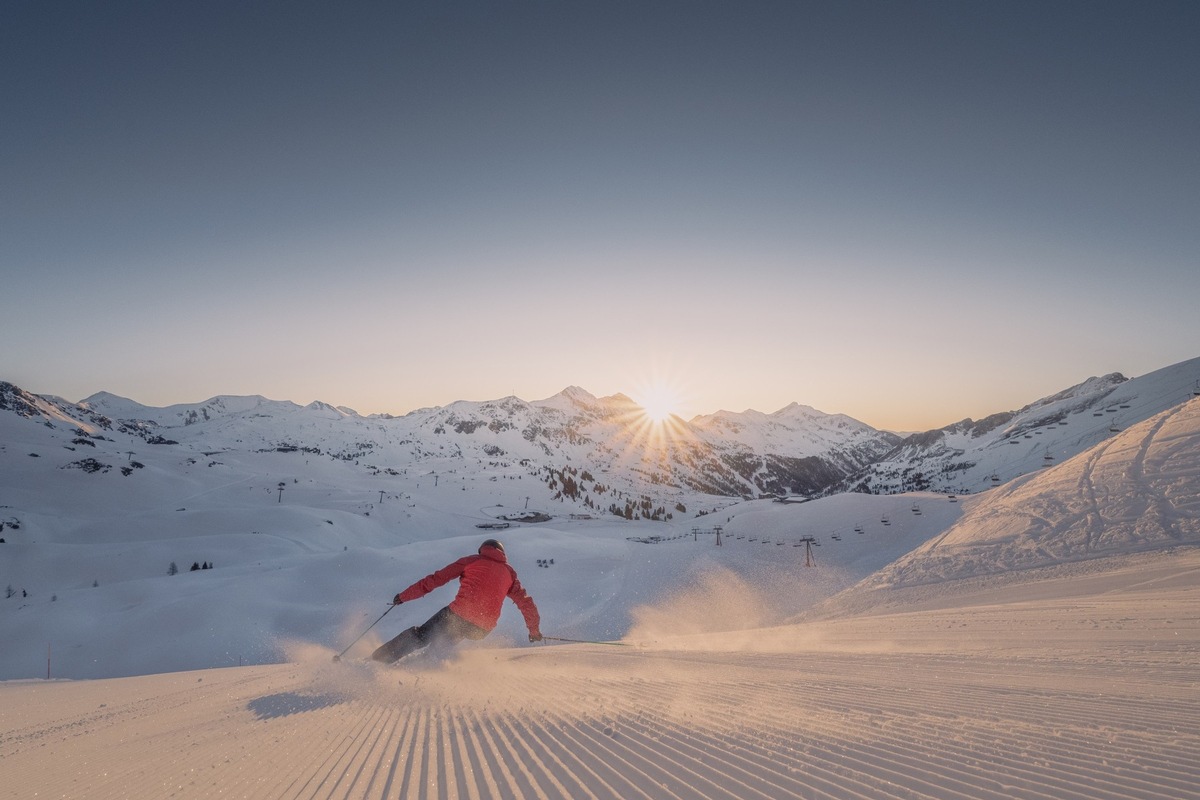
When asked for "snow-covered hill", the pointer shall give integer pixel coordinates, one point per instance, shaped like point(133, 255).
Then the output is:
point(1079, 682)
point(1084, 694)
point(1035, 640)
point(309, 515)
point(971, 456)
point(1135, 492)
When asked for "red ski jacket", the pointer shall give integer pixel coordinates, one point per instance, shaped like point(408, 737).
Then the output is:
point(484, 581)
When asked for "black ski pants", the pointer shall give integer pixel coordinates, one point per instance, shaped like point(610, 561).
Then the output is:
point(444, 627)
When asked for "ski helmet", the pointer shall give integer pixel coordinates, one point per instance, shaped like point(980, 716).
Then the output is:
point(492, 543)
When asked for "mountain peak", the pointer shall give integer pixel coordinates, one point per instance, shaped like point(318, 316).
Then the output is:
point(569, 399)
point(578, 394)
point(795, 409)
point(619, 400)
point(329, 410)
point(104, 397)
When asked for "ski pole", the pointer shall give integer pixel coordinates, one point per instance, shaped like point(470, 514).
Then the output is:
point(338, 657)
point(584, 641)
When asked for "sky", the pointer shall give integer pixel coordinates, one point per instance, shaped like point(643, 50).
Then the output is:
point(910, 213)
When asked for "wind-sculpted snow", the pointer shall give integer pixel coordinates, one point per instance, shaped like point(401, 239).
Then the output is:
point(1085, 692)
point(1136, 491)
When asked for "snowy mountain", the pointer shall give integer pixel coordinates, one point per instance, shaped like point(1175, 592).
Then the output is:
point(127, 523)
point(971, 456)
point(1035, 640)
point(601, 455)
point(308, 514)
point(1133, 492)
point(796, 449)
point(630, 462)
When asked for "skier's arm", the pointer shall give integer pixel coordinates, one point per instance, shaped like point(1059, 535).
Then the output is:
point(524, 602)
point(433, 581)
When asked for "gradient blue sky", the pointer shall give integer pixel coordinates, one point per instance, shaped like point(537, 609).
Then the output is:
point(907, 212)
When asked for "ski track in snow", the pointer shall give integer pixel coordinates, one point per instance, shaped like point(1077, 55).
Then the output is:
point(1060, 697)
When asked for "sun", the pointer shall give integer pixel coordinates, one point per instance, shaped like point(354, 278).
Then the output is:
point(659, 402)
point(654, 426)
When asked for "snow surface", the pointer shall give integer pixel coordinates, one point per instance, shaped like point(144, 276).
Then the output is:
point(1085, 690)
point(1041, 639)
point(973, 456)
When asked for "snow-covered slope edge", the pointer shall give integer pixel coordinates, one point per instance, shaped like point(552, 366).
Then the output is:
point(1134, 493)
point(972, 456)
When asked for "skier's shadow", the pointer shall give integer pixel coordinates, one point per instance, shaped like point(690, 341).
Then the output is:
point(274, 706)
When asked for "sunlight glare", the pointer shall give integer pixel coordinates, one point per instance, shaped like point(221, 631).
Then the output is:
point(659, 402)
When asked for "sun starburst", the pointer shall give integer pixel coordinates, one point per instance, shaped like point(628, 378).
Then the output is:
point(659, 402)
point(653, 433)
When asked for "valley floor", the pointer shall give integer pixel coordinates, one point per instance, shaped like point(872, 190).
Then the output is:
point(1087, 690)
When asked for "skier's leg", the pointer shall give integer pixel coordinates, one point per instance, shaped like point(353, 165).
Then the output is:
point(460, 629)
point(443, 628)
point(452, 630)
point(437, 628)
point(407, 642)
point(440, 628)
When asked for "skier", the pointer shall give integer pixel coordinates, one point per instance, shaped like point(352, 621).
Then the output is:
point(485, 580)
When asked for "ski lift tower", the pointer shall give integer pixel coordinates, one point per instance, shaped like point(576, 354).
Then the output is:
point(809, 541)
point(718, 530)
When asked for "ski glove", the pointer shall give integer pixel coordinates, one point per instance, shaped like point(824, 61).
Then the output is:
point(535, 637)
point(396, 600)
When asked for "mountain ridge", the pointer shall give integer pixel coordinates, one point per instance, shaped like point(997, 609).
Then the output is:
point(307, 514)
point(971, 456)
point(794, 450)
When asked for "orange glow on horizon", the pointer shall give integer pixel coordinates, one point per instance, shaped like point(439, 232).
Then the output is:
point(660, 398)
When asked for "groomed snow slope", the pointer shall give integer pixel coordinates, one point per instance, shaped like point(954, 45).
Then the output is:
point(1044, 644)
point(1087, 690)
point(1138, 491)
